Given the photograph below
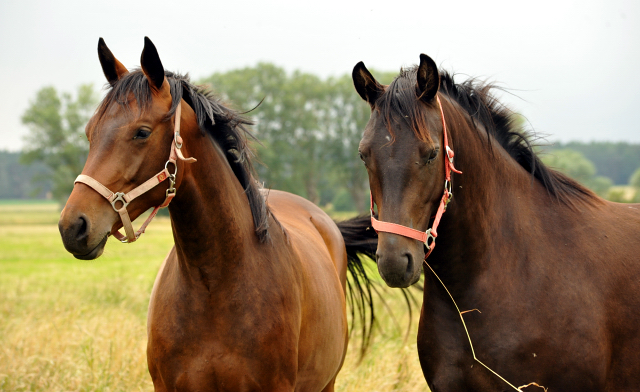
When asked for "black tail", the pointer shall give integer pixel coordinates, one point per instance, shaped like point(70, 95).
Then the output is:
point(360, 240)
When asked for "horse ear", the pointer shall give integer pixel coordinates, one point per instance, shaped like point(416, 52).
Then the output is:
point(428, 79)
point(151, 64)
point(366, 85)
point(112, 68)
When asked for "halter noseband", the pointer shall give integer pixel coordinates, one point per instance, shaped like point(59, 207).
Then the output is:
point(427, 237)
point(126, 198)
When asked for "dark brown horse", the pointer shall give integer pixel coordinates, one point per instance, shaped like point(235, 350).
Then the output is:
point(553, 269)
point(252, 296)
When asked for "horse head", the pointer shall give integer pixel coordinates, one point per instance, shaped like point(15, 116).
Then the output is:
point(403, 151)
point(131, 138)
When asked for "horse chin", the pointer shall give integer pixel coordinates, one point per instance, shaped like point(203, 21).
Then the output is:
point(95, 252)
point(417, 277)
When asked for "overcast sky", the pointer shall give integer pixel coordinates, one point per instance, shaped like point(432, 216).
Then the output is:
point(573, 64)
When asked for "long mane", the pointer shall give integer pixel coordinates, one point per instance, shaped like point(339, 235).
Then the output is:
point(227, 127)
point(485, 110)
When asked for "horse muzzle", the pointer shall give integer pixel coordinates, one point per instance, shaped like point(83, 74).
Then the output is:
point(398, 265)
point(82, 236)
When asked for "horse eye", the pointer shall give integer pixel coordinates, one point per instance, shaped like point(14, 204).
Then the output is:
point(142, 133)
point(433, 155)
point(362, 158)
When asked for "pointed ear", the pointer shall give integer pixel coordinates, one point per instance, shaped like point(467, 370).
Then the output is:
point(151, 65)
point(428, 79)
point(365, 84)
point(112, 68)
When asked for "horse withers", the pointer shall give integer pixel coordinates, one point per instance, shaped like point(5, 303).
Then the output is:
point(546, 274)
point(252, 295)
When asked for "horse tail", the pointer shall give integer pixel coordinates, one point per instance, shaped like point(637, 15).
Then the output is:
point(361, 241)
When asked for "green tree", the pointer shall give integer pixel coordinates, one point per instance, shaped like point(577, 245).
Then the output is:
point(309, 129)
point(634, 181)
point(15, 178)
point(616, 160)
point(56, 124)
point(575, 165)
point(287, 123)
point(344, 121)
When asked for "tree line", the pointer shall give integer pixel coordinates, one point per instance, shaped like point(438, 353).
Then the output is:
point(309, 129)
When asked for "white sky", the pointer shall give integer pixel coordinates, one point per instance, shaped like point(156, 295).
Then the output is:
point(574, 64)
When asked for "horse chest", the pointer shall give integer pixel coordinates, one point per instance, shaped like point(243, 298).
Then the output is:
point(191, 353)
point(518, 343)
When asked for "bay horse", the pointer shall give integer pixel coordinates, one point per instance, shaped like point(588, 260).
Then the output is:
point(252, 295)
point(546, 274)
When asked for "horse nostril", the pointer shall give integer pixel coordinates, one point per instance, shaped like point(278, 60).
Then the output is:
point(81, 228)
point(409, 272)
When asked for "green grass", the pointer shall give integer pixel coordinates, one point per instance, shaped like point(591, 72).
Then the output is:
point(71, 325)
point(24, 212)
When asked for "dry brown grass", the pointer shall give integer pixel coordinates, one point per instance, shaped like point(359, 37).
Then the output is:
point(70, 325)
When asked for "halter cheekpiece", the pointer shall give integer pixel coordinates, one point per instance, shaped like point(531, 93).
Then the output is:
point(427, 237)
point(116, 198)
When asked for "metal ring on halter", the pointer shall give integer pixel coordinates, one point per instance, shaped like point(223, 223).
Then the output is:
point(175, 167)
point(449, 192)
point(119, 196)
point(176, 135)
point(429, 237)
point(448, 187)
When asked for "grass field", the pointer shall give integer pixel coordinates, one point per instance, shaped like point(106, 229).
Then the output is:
point(71, 325)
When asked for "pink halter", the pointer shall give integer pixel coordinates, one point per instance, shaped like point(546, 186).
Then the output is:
point(427, 237)
point(125, 199)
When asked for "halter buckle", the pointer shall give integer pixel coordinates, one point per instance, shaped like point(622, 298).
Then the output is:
point(119, 197)
point(431, 237)
point(172, 182)
point(176, 137)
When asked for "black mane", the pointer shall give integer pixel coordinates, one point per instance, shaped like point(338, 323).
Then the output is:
point(226, 127)
point(476, 99)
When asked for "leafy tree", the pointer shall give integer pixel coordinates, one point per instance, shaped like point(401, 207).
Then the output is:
point(15, 178)
point(287, 124)
point(309, 129)
point(614, 160)
point(634, 180)
point(575, 165)
point(344, 121)
point(56, 139)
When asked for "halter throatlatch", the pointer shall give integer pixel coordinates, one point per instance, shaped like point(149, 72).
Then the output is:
point(119, 200)
point(427, 237)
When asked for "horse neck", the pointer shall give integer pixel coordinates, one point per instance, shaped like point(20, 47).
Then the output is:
point(492, 196)
point(212, 222)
